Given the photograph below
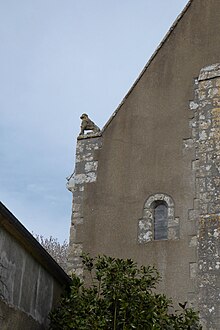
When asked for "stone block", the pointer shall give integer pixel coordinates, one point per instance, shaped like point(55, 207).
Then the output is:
point(72, 235)
point(217, 82)
point(173, 222)
point(75, 215)
point(193, 266)
point(193, 105)
point(169, 201)
point(203, 135)
point(209, 72)
point(80, 178)
point(216, 122)
point(213, 92)
point(216, 102)
point(193, 241)
point(205, 84)
point(188, 143)
point(91, 177)
point(173, 233)
point(215, 112)
point(170, 212)
point(193, 215)
point(147, 214)
point(204, 124)
point(192, 228)
point(91, 166)
point(195, 164)
point(77, 207)
point(201, 94)
point(79, 236)
point(144, 231)
point(76, 249)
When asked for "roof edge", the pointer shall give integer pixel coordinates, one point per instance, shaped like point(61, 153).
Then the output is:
point(13, 226)
point(179, 17)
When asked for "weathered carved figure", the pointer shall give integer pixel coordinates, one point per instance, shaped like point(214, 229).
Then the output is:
point(88, 125)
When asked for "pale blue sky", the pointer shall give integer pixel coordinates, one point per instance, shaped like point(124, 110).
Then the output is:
point(58, 59)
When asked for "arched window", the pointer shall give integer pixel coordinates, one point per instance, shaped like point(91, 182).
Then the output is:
point(160, 220)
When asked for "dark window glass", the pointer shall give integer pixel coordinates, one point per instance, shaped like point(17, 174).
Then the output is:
point(160, 221)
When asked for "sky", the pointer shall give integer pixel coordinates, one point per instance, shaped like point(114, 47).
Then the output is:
point(59, 59)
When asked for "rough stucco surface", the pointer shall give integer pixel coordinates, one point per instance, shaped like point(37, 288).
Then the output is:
point(29, 290)
point(150, 147)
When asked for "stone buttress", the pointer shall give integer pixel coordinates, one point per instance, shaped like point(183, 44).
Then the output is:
point(86, 165)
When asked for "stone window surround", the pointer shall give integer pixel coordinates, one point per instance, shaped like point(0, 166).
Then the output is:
point(146, 223)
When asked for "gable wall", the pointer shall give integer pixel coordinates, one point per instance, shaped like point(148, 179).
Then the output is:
point(145, 151)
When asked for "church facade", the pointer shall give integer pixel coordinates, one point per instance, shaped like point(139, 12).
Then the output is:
point(146, 187)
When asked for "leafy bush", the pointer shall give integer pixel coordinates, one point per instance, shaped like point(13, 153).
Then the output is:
point(120, 296)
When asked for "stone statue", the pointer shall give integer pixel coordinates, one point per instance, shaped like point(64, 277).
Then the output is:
point(88, 125)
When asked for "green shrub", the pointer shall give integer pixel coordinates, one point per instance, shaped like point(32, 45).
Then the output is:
point(120, 296)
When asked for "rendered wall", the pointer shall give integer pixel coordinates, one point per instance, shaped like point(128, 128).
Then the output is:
point(147, 149)
point(29, 290)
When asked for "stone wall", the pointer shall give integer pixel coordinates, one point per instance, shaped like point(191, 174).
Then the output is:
point(31, 281)
point(85, 172)
point(206, 212)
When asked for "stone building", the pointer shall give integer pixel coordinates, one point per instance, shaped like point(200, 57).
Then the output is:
point(147, 186)
point(31, 281)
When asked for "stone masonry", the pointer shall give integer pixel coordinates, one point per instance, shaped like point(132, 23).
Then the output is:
point(86, 166)
point(206, 213)
point(146, 223)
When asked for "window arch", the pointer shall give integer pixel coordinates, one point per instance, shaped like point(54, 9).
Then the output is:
point(158, 221)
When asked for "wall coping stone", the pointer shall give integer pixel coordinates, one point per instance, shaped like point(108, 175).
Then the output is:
point(89, 136)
